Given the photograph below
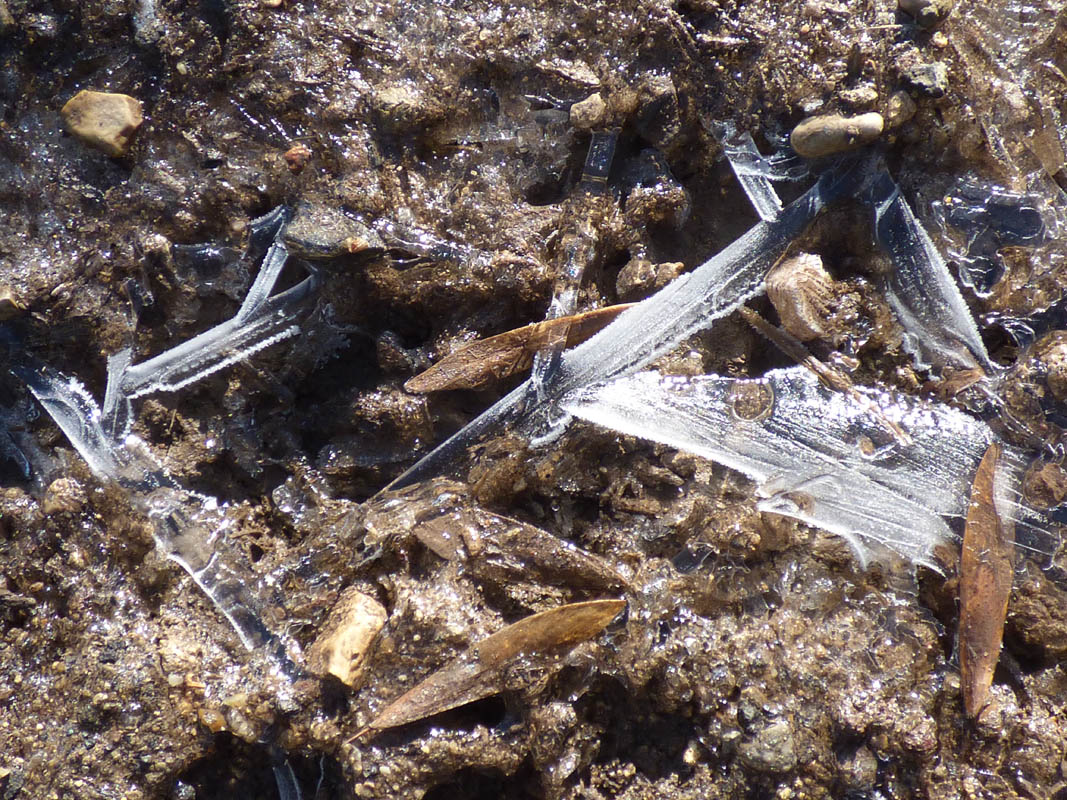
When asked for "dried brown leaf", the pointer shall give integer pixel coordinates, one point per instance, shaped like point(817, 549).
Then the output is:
point(502, 549)
point(482, 671)
point(986, 570)
point(509, 352)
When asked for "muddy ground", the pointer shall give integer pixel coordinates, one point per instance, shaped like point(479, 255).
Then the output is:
point(754, 658)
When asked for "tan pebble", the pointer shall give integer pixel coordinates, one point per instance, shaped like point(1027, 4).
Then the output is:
point(825, 135)
point(297, 157)
point(64, 495)
point(238, 701)
point(404, 106)
point(927, 13)
point(801, 290)
point(589, 113)
point(241, 726)
point(211, 719)
point(10, 307)
point(350, 631)
point(899, 109)
point(103, 120)
point(637, 277)
point(859, 97)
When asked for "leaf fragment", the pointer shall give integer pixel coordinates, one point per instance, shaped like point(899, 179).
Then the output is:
point(504, 550)
point(483, 671)
point(986, 571)
point(507, 353)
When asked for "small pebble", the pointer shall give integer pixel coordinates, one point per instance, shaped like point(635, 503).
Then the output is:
point(297, 157)
point(859, 97)
point(103, 120)
point(928, 79)
point(927, 13)
point(771, 750)
point(829, 134)
point(899, 109)
point(404, 106)
point(350, 631)
point(589, 113)
point(64, 496)
point(858, 770)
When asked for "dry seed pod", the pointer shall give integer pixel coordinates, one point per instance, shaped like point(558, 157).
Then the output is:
point(509, 352)
point(986, 569)
point(825, 135)
point(482, 672)
point(801, 291)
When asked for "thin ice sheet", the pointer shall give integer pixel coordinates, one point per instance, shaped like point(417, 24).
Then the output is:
point(819, 455)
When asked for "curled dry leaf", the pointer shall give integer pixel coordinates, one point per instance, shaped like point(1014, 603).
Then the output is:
point(986, 569)
point(482, 671)
point(510, 352)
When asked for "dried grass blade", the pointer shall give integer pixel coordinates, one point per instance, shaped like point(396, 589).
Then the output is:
point(509, 352)
point(481, 672)
point(986, 570)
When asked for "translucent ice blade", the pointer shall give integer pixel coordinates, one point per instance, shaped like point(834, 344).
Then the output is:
point(872, 520)
point(749, 166)
point(77, 415)
point(578, 251)
point(651, 328)
point(691, 303)
point(222, 346)
point(939, 330)
point(190, 535)
point(787, 429)
point(179, 533)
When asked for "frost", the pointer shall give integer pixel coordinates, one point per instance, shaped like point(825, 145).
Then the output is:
point(820, 456)
point(189, 528)
point(651, 328)
point(262, 320)
point(939, 329)
point(755, 171)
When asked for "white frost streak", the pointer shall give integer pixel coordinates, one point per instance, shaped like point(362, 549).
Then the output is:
point(819, 455)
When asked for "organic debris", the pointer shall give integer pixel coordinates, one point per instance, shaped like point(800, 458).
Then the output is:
point(505, 354)
point(987, 566)
point(538, 640)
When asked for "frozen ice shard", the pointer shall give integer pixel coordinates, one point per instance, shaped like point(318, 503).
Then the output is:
point(262, 320)
point(755, 171)
point(187, 527)
point(820, 455)
point(939, 330)
point(654, 326)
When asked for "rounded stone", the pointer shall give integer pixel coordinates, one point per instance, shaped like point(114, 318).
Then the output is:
point(771, 750)
point(899, 109)
point(589, 113)
point(832, 133)
point(926, 13)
